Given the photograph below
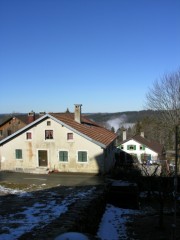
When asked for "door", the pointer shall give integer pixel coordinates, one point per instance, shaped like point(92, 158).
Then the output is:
point(42, 158)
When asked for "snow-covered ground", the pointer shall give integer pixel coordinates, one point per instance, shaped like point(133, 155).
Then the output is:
point(112, 225)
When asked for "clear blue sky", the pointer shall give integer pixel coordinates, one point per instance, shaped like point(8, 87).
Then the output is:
point(104, 54)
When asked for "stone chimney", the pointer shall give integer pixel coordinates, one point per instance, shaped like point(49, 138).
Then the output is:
point(77, 113)
point(31, 117)
point(124, 135)
point(142, 134)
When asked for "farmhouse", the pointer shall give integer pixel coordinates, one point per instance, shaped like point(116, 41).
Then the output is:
point(64, 142)
point(142, 149)
point(12, 123)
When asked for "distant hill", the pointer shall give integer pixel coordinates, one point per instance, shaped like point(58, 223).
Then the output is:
point(131, 116)
point(118, 119)
point(108, 120)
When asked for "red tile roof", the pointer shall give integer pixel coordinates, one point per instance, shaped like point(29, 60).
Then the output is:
point(87, 127)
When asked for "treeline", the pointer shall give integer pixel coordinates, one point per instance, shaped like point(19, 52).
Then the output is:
point(131, 116)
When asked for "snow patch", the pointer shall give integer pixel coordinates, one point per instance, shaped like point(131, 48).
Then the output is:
point(20, 193)
point(113, 223)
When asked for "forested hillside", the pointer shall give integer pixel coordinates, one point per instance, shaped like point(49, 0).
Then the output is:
point(129, 117)
point(101, 118)
point(120, 119)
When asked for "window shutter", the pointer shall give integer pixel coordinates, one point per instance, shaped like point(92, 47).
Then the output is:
point(66, 156)
point(134, 147)
point(143, 147)
point(82, 156)
point(63, 156)
point(18, 154)
point(128, 147)
point(79, 156)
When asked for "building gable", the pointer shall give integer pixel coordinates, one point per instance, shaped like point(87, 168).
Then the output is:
point(87, 129)
point(154, 146)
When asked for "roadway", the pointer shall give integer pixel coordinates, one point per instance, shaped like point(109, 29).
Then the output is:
point(52, 179)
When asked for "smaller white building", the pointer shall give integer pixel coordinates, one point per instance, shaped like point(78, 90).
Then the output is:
point(142, 149)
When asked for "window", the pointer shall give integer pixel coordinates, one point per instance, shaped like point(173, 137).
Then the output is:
point(70, 136)
point(63, 156)
point(48, 123)
point(131, 147)
point(18, 153)
point(1, 133)
point(9, 132)
point(48, 134)
point(28, 135)
point(82, 156)
point(121, 147)
point(142, 147)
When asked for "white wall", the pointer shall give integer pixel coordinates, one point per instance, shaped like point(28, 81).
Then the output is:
point(154, 155)
point(30, 149)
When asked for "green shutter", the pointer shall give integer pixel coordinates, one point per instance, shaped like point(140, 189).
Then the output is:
point(128, 147)
point(134, 147)
point(63, 156)
point(82, 156)
point(18, 153)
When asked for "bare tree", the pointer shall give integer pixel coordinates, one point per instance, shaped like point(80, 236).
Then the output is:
point(164, 96)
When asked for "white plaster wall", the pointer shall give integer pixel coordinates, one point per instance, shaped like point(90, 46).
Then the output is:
point(30, 150)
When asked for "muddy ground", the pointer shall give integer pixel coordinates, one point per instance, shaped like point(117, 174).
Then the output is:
point(143, 227)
